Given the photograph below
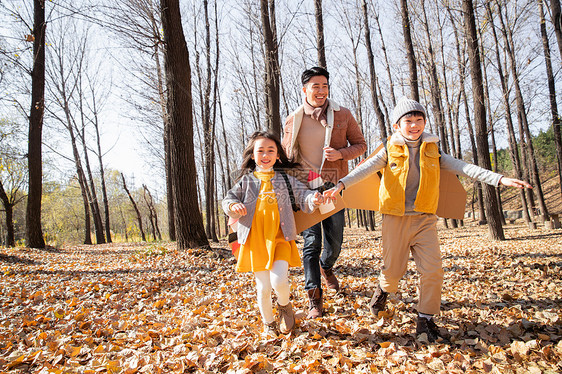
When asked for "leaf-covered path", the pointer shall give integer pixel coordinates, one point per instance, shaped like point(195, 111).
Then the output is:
point(145, 308)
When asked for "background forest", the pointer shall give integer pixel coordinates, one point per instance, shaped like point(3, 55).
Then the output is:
point(107, 129)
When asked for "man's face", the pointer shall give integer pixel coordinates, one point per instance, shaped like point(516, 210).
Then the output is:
point(410, 126)
point(316, 90)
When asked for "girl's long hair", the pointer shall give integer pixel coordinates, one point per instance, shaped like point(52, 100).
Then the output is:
point(249, 164)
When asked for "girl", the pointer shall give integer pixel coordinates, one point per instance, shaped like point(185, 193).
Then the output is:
point(261, 202)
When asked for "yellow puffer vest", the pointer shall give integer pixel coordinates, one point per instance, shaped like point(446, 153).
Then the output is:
point(392, 195)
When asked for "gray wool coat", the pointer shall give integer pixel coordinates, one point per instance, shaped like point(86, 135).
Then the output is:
point(246, 192)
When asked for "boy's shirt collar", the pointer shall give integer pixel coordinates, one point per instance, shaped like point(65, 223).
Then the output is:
point(398, 139)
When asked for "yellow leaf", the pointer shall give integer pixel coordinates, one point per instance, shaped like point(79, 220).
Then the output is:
point(80, 316)
point(16, 362)
point(385, 344)
point(113, 367)
point(75, 351)
point(99, 349)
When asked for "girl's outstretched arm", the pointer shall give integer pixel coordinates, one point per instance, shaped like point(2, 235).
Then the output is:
point(333, 192)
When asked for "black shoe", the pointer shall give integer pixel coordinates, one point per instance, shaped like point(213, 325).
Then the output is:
point(428, 327)
point(378, 301)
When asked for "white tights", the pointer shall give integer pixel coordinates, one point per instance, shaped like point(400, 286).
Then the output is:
point(276, 278)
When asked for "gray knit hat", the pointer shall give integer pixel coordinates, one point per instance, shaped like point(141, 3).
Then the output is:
point(405, 106)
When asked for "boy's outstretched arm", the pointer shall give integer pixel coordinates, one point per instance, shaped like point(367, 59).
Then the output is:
point(512, 182)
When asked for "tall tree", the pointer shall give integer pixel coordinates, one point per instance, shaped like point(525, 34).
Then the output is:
point(34, 234)
point(435, 88)
point(138, 24)
point(513, 147)
point(208, 132)
point(190, 231)
point(321, 47)
point(385, 53)
point(272, 71)
point(373, 74)
point(410, 54)
point(135, 206)
point(95, 121)
point(557, 21)
point(495, 228)
point(551, 92)
point(13, 174)
point(507, 32)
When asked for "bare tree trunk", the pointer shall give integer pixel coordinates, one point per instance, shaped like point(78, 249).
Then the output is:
point(495, 228)
point(82, 181)
point(272, 71)
point(462, 95)
point(124, 225)
point(190, 231)
point(153, 214)
point(98, 225)
point(448, 100)
point(87, 218)
point(102, 171)
point(557, 21)
point(208, 135)
point(462, 73)
point(491, 128)
point(522, 115)
point(9, 209)
point(434, 86)
point(407, 30)
point(166, 139)
point(387, 63)
point(373, 74)
point(513, 148)
point(552, 93)
point(320, 34)
point(34, 233)
point(139, 217)
point(495, 160)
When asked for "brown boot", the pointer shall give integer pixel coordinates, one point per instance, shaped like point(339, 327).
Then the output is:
point(287, 317)
point(315, 299)
point(330, 278)
point(378, 301)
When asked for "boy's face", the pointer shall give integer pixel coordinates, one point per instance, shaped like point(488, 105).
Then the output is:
point(410, 126)
point(316, 90)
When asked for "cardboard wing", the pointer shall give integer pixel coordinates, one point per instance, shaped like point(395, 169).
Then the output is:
point(305, 220)
point(365, 195)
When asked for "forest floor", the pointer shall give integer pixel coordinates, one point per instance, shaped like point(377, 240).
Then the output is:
point(148, 308)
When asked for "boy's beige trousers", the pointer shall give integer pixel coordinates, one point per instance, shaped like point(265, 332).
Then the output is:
point(417, 233)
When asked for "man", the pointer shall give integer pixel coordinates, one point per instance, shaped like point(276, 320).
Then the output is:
point(322, 136)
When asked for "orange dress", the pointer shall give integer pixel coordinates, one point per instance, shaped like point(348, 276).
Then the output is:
point(265, 243)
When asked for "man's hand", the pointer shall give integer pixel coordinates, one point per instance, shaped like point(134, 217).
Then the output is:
point(512, 182)
point(332, 154)
point(318, 198)
point(239, 208)
point(332, 193)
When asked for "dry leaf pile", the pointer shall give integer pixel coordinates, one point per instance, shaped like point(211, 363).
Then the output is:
point(140, 308)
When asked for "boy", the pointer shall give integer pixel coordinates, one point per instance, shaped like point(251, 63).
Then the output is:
point(408, 197)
